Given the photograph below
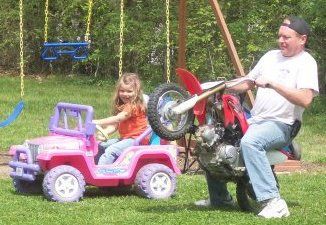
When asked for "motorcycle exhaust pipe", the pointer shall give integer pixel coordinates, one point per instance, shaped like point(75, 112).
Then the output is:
point(190, 103)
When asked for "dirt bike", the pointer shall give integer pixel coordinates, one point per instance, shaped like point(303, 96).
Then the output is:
point(218, 123)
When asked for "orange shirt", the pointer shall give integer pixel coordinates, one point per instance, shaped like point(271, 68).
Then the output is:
point(135, 125)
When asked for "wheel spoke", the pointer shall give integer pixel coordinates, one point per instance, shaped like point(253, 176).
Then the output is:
point(66, 185)
point(160, 183)
point(165, 103)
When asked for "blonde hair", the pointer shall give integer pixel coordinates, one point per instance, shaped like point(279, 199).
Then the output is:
point(133, 80)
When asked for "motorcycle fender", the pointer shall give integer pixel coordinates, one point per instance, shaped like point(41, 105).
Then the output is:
point(275, 157)
point(192, 85)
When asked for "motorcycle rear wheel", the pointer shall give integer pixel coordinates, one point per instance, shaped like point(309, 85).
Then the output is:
point(164, 124)
point(246, 197)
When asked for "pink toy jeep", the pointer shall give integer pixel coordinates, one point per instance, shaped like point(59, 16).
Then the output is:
point(64, 162)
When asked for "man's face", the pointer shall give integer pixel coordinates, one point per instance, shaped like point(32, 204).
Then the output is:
point(290, 42)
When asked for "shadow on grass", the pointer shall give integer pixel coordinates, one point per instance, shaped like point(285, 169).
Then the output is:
point(172, 208)
point(292, 203)
point(95, 192)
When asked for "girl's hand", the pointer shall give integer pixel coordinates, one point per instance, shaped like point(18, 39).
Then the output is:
point(102, 134)
point(96, 122)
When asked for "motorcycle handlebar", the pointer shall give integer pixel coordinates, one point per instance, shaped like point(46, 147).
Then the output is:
point(237, 81)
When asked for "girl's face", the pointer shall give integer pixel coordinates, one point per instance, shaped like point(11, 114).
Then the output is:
point(126, 93)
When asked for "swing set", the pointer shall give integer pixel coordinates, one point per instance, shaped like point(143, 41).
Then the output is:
point(19, 107)
point(76, 50)
point(51, 52)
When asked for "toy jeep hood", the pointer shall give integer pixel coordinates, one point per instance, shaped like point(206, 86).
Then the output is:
point(57, 142)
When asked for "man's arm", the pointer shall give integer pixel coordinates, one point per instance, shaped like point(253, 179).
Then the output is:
point(300, 97)
point(243, 87)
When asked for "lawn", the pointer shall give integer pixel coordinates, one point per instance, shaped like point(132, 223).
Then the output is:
point(305, 192)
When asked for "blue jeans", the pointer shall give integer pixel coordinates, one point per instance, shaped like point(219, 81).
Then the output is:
point(113, 149)
point(217, 190)
point(259, 138)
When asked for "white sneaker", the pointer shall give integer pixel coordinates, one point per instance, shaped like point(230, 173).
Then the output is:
point(207, 203)
point(275, 208)
point(203, 203)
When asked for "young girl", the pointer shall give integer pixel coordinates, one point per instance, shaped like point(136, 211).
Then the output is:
point(129, 118)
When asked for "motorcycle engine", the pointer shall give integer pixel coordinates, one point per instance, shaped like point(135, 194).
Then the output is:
point(215, 155)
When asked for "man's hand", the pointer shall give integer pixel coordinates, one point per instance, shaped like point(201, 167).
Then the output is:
point(263, 82)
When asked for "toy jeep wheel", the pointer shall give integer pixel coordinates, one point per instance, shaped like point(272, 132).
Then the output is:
point(28, 187)
point(155, 181)
point(64, 184)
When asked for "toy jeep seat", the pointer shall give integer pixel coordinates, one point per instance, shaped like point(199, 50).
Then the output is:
point(153, 140)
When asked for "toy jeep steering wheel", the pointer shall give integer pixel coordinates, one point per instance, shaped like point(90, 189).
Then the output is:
point(102, 132)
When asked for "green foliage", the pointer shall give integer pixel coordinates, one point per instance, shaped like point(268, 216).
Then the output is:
point(253, 25)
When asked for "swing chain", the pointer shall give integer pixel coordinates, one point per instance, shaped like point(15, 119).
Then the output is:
point(21, 45)
point(46, 20)
point(87, 34)
point(167, 12)
point(121, 37)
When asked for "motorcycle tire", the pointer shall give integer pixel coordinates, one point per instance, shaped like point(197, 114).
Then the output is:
point(160, 102)
point(246, 197)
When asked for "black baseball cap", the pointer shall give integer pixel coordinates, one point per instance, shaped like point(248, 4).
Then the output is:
point(297, 24)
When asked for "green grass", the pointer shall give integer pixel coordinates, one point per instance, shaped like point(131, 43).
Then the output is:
point(312, 136)
point(40, 98)
point(304, 194)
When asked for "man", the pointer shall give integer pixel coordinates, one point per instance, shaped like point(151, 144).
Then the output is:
point(287, 81)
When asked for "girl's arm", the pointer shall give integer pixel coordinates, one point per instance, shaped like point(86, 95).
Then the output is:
point(113, 120)
point(110, 129)
point(103, 133)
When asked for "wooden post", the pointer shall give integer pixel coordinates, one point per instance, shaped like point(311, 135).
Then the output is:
point(230, 45)
point(182, 34)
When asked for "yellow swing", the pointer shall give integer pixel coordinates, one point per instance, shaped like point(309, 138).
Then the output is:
point(19, 107)
point(154, 138)
point(167, 22)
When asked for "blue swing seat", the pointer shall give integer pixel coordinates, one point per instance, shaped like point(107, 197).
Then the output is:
point(53, 50)
point(17, 111)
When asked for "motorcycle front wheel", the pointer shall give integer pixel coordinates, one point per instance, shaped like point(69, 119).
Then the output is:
point(164, 123)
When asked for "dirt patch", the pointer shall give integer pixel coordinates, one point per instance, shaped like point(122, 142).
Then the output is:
point(4, 168)
point(314, 167)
